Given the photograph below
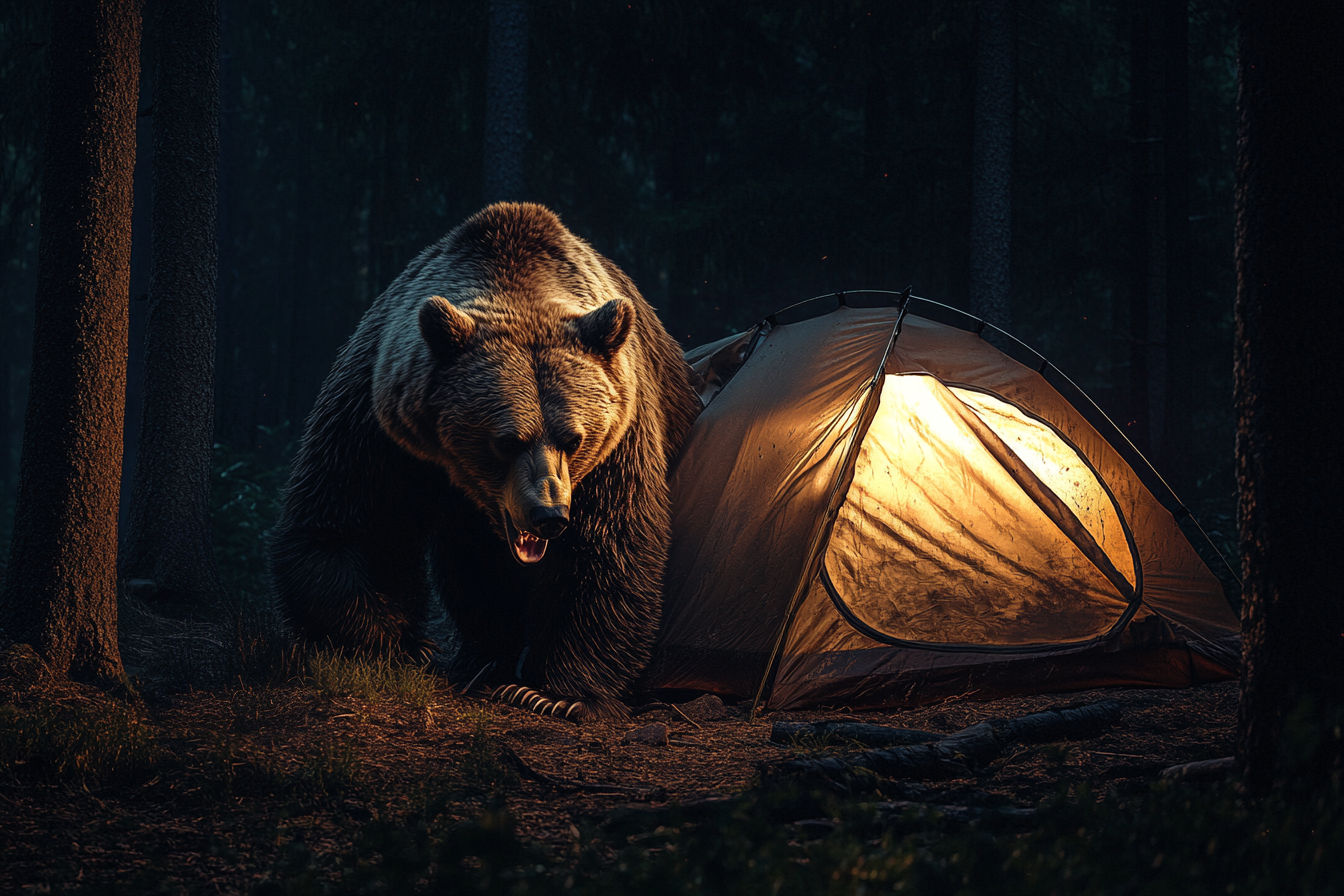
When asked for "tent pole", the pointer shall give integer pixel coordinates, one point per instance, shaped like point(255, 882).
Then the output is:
point(844, 474)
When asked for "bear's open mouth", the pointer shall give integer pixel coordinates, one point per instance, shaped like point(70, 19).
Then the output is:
point(527, 548)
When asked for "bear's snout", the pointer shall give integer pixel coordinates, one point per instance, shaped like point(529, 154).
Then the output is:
point(536, 498)
point(550, 521)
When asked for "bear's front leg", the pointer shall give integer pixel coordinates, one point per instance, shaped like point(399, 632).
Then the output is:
point(605, 599)
point(366, 596)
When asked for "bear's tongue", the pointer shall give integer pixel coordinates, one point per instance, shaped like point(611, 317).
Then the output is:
point(528, 548)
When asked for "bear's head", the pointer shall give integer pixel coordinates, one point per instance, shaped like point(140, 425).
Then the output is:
point(527, 399)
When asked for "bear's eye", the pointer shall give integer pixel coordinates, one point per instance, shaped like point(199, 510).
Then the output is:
point(506, 445)
point(570, 444)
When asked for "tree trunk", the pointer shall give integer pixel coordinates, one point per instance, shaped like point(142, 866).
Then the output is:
point(1290, 441)
point(1148, 288)
point(1178, 415)
point(506, 101)
point(235, 362)
point(60, 595)
point(169, 520)
point(992, 161)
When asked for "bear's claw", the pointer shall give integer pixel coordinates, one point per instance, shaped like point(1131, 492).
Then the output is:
point(537, 702)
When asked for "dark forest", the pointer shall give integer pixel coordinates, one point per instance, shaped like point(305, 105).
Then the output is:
point(1146, 193)
point(732, 159)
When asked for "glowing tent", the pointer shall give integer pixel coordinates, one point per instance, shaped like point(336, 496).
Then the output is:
point(881, 508)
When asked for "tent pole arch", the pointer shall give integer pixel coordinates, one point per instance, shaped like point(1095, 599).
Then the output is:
point(867, 410)
point(1024, 354)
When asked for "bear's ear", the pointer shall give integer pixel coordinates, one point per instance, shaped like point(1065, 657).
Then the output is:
point(604, 330)
point(445, 328)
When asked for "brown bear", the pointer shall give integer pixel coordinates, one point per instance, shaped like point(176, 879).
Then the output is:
point(497, 433)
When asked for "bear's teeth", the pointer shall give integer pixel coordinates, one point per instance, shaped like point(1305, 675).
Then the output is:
point(529, 548)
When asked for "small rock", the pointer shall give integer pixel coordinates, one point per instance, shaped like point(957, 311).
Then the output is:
point(654, 735)
point(707, 708)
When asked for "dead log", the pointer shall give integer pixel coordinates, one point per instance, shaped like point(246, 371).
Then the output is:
point(860, 732)
point(960, 754)
point(1205, 770)
point(1071, 723)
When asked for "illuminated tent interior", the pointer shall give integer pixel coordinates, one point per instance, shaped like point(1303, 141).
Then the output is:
point(878, 507)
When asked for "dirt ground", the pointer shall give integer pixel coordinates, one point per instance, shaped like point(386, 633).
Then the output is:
point(221, 810)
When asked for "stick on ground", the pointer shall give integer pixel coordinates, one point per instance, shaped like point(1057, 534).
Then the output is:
point(971, 748)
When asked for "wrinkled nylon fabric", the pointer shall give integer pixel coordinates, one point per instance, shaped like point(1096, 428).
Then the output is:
point(1064, 473)
point(941, 541)
point(749, 496)
point(829, 663)
point(750, 492)
point(1175, 582)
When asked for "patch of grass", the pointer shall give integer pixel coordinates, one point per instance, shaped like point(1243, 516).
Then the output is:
point(260, 650)
point(377, 680)
point(87, 743)
point(326, 771)
point(332, 769)
point(242, 641)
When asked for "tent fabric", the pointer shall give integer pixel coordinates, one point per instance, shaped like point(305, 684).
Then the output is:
point(880, 510)
point(750, 491)
point(910, 561)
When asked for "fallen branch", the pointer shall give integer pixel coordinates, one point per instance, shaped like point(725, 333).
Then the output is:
point(565, 784)
point(1057, 724)
point(1204, 770)
point(957, 755)
point(860, 732)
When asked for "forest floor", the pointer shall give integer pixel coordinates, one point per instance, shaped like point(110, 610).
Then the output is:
point(250, 788)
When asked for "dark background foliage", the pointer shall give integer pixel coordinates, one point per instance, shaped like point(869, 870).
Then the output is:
point(733, 158)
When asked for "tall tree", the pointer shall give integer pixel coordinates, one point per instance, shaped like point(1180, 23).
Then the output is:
point(235, 371)
point(1290, 439)
point(1148, 267)
point(1160, 311)
point(506, 100)
point(992, 161)
point(1177, 421)
point(23, 30)
point(61, 589)
point(167, 548)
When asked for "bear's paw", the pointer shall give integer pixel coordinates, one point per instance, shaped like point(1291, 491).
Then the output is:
point(535, 701)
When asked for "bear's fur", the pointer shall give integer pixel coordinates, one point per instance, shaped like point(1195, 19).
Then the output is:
point(510, 385)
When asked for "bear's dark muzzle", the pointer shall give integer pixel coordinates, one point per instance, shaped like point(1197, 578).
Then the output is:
point(549, 521)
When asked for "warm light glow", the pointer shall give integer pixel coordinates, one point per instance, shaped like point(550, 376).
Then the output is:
point(939, 541)
point(1060, 467)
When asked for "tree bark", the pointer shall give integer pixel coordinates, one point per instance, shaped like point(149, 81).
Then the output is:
point(1178, 415)
point(1148, 288)
point(992, 162)
point(235, 362)
point(506, 101)
point(60, 595)
point(168, 542)
point(1288, 393)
